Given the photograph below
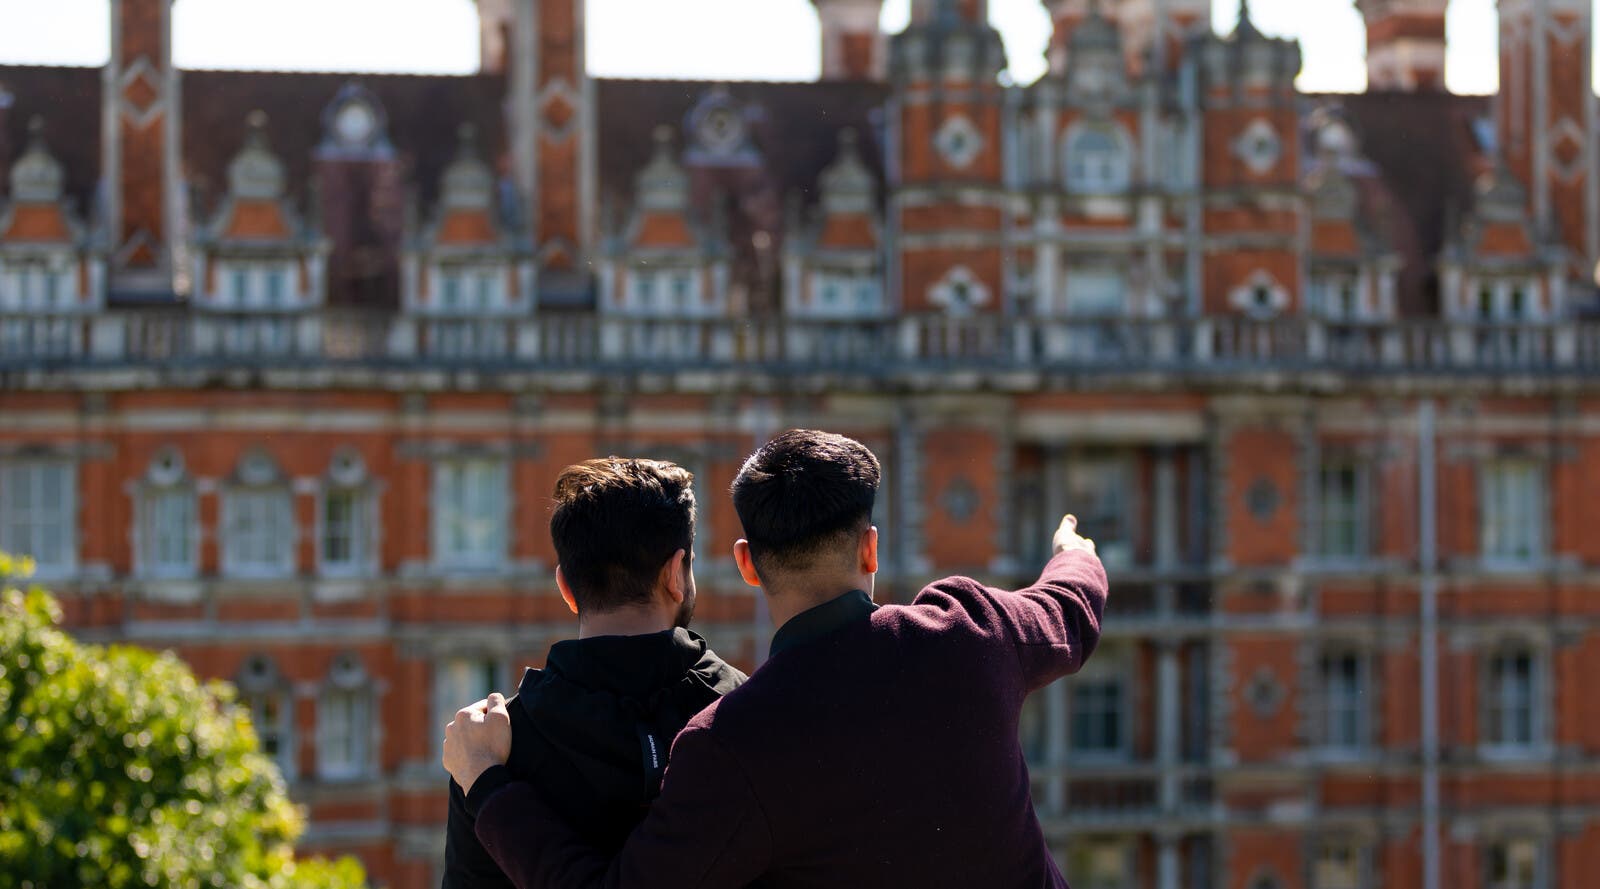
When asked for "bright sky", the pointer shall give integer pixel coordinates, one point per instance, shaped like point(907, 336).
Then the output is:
point(722, 39)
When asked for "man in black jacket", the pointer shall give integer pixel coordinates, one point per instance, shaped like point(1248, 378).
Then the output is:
point(592, 729)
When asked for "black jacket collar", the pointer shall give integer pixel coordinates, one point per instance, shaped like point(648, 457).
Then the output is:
point(814, 623)
point(628, 666)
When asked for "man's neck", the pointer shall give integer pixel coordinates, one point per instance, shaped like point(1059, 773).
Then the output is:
point(800, 595)
point(622, 622)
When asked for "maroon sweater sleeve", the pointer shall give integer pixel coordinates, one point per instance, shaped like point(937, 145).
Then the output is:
point(1053, 626)
point(705, 830)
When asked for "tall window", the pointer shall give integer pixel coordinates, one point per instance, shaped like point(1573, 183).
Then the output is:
point(1098, 161)
point(664, 292)
point(845, 295)
point(1336, 297)
point(1343, 522)
point(258, 533)
point(472, 288)
point(344, 723)
point(1100, 491)
point(1344, 701)
point(38, 503)
point(1512, 513)
point(459, 681)
point(1100, 709)
point(1511, 704)
point(257, 285)
point(345, 541)
point(1338, 866)
point(265, 694)
point(1513, 864)
point(166, 524)
point(38, 285)
point(469, 513)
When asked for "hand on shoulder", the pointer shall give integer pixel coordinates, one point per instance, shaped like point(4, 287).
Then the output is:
point(477, 739)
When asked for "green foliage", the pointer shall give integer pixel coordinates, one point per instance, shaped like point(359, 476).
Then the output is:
point(118, 768)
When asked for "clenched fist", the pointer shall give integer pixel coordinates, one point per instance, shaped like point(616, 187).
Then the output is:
point(478, 738)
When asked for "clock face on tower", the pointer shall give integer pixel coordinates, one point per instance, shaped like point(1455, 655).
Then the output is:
point(355, 124)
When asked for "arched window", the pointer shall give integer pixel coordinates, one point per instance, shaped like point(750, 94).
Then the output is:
point(265, 693)
point(258, 532)
point(166, 528)
point(1098, 160)
point(346, 538)
point(344, 722)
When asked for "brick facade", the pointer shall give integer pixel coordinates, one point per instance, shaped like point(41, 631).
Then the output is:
point(1316, 372)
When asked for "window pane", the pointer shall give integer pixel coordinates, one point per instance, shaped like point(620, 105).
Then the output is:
point(344, 530)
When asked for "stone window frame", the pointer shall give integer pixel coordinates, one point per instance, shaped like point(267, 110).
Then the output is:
point(1368, 698)
point(348, 475)
point(1539, 697)
point(28, 469)
point(1362, 511)
point(1542, 864)
point(496, 555)
point(1538, 524)
point(1116, 664)
point(348, 686)
point(167, 476)
point(1115, 175)
point(1361, 849)
point(55, 269)
point(258, 475)
point(258, 679)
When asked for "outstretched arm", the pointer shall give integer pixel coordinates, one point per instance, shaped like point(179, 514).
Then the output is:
point(705, 830)
point(1052, 626)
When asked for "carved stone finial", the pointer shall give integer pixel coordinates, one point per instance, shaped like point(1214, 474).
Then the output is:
point(256, 173)
point(37, 177)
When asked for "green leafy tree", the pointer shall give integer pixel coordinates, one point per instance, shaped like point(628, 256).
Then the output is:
point(118, 768)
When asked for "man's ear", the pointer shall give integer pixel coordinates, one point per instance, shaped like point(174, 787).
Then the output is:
point(673, 579)
point(868, 555)
point(566, 591)
point(747, 564)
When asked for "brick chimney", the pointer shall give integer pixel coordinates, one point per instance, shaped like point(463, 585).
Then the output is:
point(553, 140)
point(1405, 44)
point(853, 46)
point(140, 113)
point(494, 26)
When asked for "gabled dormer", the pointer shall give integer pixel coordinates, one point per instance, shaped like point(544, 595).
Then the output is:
point(50, 261)
point(255, 252)
point(833, 265)
point(468, 259)
point(1354, 265)
point(1499, 267)
point(664, 261)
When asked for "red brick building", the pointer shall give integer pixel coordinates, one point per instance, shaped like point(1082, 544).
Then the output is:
point(290, 363)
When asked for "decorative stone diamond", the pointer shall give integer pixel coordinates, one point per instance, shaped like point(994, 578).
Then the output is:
point(1259, 146)
point(141, 93)
point(558, 112)
point(959, 142)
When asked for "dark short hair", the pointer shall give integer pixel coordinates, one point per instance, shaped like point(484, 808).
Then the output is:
point(802, 493)
point(616, 522)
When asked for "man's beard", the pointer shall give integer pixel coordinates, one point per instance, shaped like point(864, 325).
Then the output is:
point(685, 613)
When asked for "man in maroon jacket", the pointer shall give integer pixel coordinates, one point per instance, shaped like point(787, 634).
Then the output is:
point(877, 747)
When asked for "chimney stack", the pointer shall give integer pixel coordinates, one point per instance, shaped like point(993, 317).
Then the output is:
point(1405, 44)
point(140, 113)
point(853, 46)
